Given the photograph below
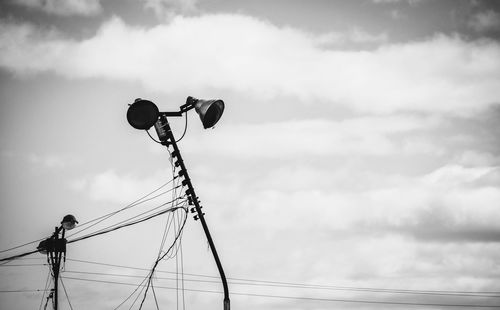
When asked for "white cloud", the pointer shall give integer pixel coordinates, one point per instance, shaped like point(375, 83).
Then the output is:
point(456, 174)
point(443, 74)
point(355, 35)
point(64, 7)
point(411, 2)
point(166, 9)
point(485, 21)
point(320, 137)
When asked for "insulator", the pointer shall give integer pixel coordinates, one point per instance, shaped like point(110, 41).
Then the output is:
point(196, 217)
point(175, 154)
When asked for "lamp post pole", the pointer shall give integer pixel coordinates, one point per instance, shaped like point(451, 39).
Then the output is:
point(167, 138)
point(55, 253)
point(55, 248)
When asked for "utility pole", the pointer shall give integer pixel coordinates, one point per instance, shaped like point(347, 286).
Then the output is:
point(143, 114)
point(55, 247)
point(167, 138)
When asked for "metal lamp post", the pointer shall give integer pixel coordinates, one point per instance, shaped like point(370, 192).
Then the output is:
point(144, 114)
point(54, 247)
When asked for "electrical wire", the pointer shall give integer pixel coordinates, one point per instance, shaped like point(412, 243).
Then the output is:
point(185, 127)
point(154, 295)
point(182, 277)
point(152, 137)
point(130, 205)
point(22, 291)
point(116, 212)
point(47, 281)
point(66, 293)
point(51, 296)
point(133, 292)
point(415, 292)
point(310, 298)
point(7, 259)
point(22, 265)
point(124, 225)
point(129, 219)
point(159, 259)
point(254, 282)
point(20, 246)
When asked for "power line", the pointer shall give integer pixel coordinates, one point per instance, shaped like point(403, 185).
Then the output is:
point(133, 204)
point(20, 246)
point(7, 259)
point(22, 265)
point(151, 273)
point(23, 291)
point(309, 298)
point(45, 289)
point(106, 216)
point(304, 285)
point(124, 225)
point(140, 214)
point(66, 293)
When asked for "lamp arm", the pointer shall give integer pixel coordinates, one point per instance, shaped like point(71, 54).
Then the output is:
point(189, 105)
point(174, 114)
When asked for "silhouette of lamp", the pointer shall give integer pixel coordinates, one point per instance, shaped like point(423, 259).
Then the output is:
point(143, 114)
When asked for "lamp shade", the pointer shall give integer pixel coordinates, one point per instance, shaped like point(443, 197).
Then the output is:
point(210, 111)
point(142, 114)
point(69, 222)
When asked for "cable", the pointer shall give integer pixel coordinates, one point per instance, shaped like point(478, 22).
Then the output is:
point(7, 259)
point(133, 292)
point(125, 221)
point(130, 205)
point(50, 296)
point(158, 260)
point(22, 291)
point(310, 298)
point(66, 293)
point(185, 128)
point(299, 285)
point(152, 137)
point(44, 290)
point(124, 225)
point(182, 278)
point(22, 265)
point(154, 295)
point(20, 246)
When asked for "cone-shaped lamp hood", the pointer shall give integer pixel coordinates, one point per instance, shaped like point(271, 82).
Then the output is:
point(210, 111)
point(142, 114)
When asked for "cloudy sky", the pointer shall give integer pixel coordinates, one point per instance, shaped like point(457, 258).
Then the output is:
point(359, 149)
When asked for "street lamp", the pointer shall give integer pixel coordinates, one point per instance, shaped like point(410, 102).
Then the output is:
point(54, 247)
point(144, 114)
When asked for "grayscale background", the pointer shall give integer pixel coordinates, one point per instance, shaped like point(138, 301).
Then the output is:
point(359, 150)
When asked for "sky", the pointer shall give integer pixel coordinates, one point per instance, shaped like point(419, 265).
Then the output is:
point(358, 154)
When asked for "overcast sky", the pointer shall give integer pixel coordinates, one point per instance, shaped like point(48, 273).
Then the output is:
point(359, 147)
